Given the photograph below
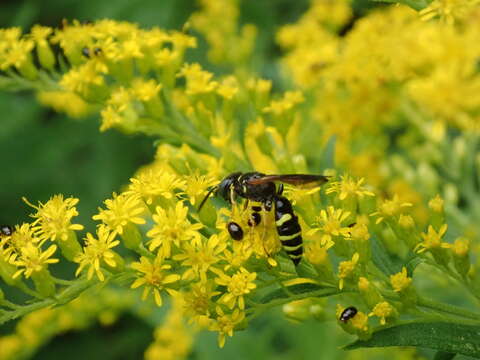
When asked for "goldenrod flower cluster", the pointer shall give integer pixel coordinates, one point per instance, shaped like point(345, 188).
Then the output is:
point(367, 234)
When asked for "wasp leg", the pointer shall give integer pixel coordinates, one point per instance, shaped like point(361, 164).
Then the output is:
point(232, 199)
point(264, 228)
point(280, 189)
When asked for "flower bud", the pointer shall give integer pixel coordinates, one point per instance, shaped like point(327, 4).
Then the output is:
point(460, 251)
point(437, 214)
point(402, 284)
point(369, 292)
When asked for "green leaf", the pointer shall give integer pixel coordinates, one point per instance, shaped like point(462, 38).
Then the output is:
point(387, 263)
point(298, 289)
point(442, 355)
point(446, 337)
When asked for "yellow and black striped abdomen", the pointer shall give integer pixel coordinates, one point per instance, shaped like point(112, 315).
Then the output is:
point(288, 229)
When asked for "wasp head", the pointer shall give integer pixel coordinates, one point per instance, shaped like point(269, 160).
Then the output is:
point(224, 188)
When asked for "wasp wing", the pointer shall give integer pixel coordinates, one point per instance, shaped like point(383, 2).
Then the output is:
point(292, 179)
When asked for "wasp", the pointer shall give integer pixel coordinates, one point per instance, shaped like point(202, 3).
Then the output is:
point(262, 188)
point(348, 313)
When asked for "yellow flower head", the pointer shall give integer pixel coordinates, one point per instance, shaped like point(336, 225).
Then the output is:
point(360, 322)
point(461, 247)
point(198, 258)
point(316, 253)
point(346, 269)
point(155, 278)
point(197, 185)
point(290, 99)
point(400, 281)
point(32, 259)
point(97, 251)
point(330, 224)
point(145, 90)
point(226, 323)
point(348, 187)
point(406, 221)
point(121, 210)
point(383, 310)
point(53, 219)
point(172, 228)
point(390, 208)
point(197, 301)
point(21, 237)
point(153, 183)
point(198, 80)
point(436, 204)
point(238, 285)
point(432, 239)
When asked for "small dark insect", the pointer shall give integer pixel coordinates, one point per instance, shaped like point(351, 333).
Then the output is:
point(258, 187)
point(6, 230)
point(348, 313)
point(88, 53)
point(235, 230)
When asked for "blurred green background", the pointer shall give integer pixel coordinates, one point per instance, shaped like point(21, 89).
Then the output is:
point(45, 153)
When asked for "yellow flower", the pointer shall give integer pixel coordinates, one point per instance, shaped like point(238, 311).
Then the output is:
point(390, 208)
point(97, 251)
point(316, 253)
point(81, 78)
point(199, 258)
point(346, 269)
point(21, 237)
point(121, 211)
point(406, 221)
point(436, 204)
point(53, 219)
point(32, 259)
point(360, 322)
point(153, 276)
point(198, 80)
point(290, 99)
point(348, 187)
point(171, 228)
point(400, 281)
point(197, 301)
point(238, 285)
point(383, 310)
point(197, 185)
point(432, 239)
point(145, 90)
point(151, 184)
point(225, 324)
point(448, 10)
point(330, 224)
point(460, 247)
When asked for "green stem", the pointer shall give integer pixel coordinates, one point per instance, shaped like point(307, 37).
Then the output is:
point(261, 308)
point(142, 250)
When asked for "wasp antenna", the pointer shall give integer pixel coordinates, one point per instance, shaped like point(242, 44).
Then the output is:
point(206, 197)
